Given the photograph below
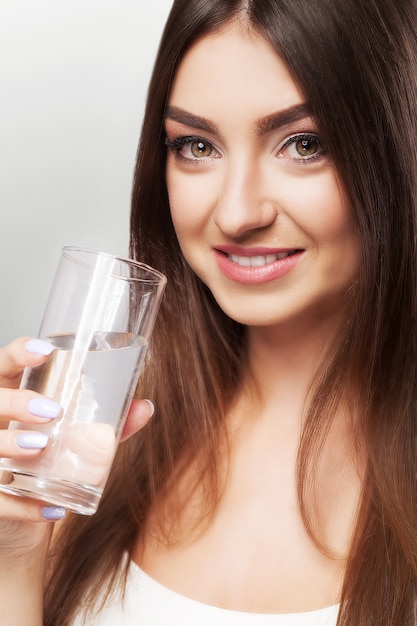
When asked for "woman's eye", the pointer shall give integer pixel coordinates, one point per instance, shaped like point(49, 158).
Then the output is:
point(200, 149)
point(303, 147)
point(192, 148)
point(307, 147)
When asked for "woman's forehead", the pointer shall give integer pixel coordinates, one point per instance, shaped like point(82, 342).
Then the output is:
point(231, 70)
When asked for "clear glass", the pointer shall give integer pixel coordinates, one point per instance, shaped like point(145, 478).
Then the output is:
point(99, 316)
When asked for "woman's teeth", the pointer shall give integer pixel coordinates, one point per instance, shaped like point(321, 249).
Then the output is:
point(257, 261)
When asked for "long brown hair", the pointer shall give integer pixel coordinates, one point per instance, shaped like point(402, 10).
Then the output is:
point(355, 61)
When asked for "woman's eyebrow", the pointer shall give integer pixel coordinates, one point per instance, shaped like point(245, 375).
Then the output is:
point(263, 126)
point(282, 118)
point(189, 119)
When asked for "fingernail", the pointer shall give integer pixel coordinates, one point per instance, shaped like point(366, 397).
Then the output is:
point(151, 406)
point(39, 346)
point(44, 407)
point(32, 440)
point(53, 513)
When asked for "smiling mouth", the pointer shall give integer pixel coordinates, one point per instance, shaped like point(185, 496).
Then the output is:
point(260, 261)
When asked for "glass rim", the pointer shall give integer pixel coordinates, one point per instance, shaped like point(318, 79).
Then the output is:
point(156, 277)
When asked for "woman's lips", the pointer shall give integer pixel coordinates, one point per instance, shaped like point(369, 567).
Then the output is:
point(256, 265)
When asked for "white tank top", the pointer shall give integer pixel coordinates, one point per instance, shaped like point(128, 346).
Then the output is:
point(148, 603)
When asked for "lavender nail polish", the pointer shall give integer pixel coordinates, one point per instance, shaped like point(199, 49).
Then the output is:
point(39, 346)
point(53, 513)
point(151, 406)
point(44, 407)
point(32, 440)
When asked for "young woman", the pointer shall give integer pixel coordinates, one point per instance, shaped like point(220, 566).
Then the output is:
point(276, 483)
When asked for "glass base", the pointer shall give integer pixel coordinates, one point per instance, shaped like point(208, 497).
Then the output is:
point(82, 499)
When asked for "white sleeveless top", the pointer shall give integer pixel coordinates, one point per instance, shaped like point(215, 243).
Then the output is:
point(148, 603)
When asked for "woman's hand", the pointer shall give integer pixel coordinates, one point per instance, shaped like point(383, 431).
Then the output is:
point(21, 530)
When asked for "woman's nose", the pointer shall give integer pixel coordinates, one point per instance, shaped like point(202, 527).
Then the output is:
point(243, 204)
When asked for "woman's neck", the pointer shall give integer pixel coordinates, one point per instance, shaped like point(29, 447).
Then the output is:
point(282, 365)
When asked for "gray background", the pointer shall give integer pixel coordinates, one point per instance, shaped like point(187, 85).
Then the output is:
point(73, 76)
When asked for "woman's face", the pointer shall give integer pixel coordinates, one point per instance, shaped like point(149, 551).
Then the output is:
point(256, 203)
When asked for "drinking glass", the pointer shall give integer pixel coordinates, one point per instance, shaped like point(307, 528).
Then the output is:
point(99, 317)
